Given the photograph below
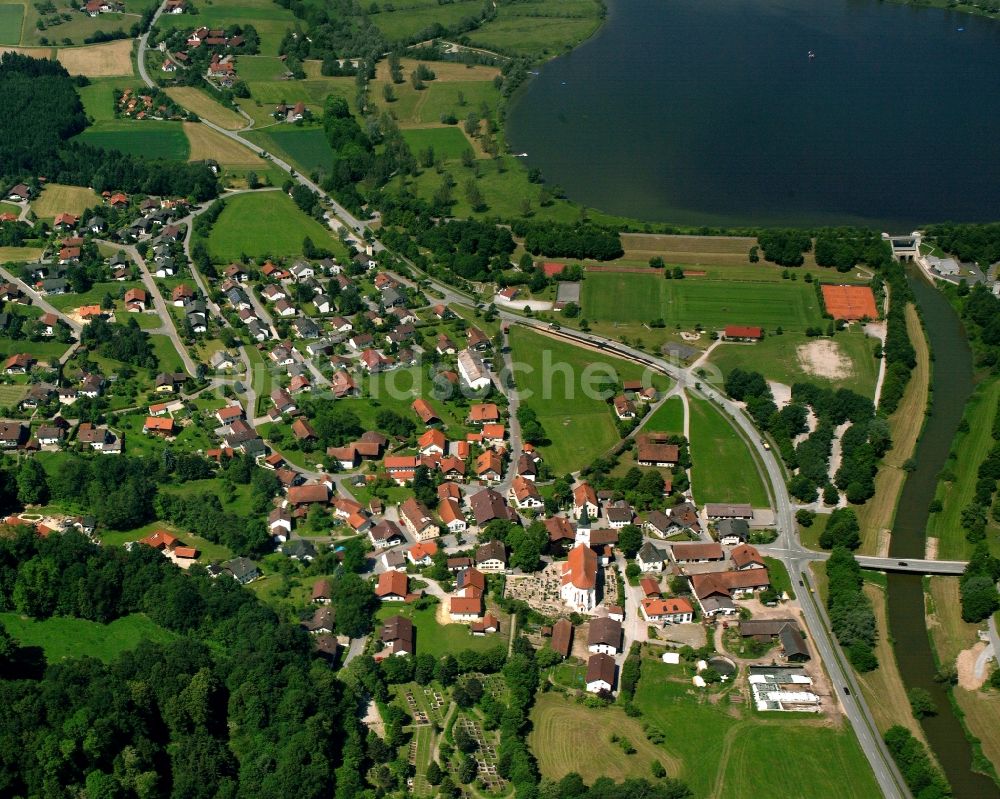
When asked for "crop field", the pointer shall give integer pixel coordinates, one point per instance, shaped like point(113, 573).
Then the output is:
point(65, 637)
point(58, 198)
point(778, 358)
point(627, 297)
point(11, 17)
point(723, 467)
point(307, 149)
point(99, 60)
point(447, 142)
point(970, 451)
point(265, 223)
point(724, 759)
point(561, 730)
point(151, 139)
point(551, 378)
point(206, 143)
point(206, 107)
point(270, 20)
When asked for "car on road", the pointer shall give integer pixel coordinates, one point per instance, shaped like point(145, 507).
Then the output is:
point(847, 690)
point(802, 584)
point(903, 563)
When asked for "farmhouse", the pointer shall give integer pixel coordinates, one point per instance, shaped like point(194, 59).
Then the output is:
point(675, 610)
point(696, 552)
point(624, 407)
point(488, 505)
point(650, 558)
point(732, 532)
point(579, 580)
point(721, 510)
point(604, 635)
point(600, 673)
point(397, 637)
point(652, 452)
point(562, 637)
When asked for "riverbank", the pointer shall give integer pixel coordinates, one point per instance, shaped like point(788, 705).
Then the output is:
point(950, 5)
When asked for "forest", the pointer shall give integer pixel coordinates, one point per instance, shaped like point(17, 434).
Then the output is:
point(40, 111)
point(569, 241)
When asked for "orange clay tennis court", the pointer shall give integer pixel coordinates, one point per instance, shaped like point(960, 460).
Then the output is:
point(849, 302)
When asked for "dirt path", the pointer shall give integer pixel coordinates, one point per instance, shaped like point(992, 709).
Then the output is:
point(972, 672)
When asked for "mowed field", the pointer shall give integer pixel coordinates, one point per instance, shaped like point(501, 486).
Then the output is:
point(151, 139)
point(562, 729)
point(98, 60)
point(63, 637)
point(628, 297)
point(551, 379)
point(723, 468)
point(719, 749)
point(265, 223)
point(546, 27)
point(668, 418)
point(206, 143)
point(446, 142)
point(11, 17)
point(204, 106)
point(57, 198)
point(8, 254)
point(307, 149)
point(99, 96)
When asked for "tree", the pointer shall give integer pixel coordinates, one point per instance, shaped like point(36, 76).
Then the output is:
point(464, 741)
point(467, 769)
point(356, 604)
point(921, 703)
point(474, 196)
point(979, 598)
point(32, 483)
point(629, 540)
point(434, 773)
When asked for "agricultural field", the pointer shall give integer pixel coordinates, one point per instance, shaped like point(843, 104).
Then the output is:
point(11, 17)
point(539, 28)
point(448, 142)
point(64, 637)
point(561, 730)
point(99, 60)
point(205, 106)
point(57, 198)
point(723, 467)
point(968, 451)
point(551, 380)
point(442, 639)
point(11, 394)
point(9, 254)
point(627, 297)
point(239, 230)
point(307, 149)
point(844, 361)
point(206, 143)
point(668, 418)
point(151, 139)
point(270, 20)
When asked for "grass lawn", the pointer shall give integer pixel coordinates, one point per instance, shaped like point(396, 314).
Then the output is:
point(208, 552)
point(57, 198)
point(949, 634)
point(668, 418)
point(240, 229)
point(206, 143)
point(152, 138)
point(415, 17)
point(971, 449)
point(423, 736)
point(569, 737)
point(63, 637)
point(723, 469)
point(16, 254)
point(307, 149)
point(905, 424)
point(43, 350)
point(809, 536)
point(440, 639)
point(204, 105)
point(11, 17)
point(628, 297)
point(722, 747)
point(448, 143)
point(94, 295)
point(170, 361)
point(12, 394)
point(777, 358)
point(982, 717)
point(552, 379)
point(539, 28)
point(780, 580)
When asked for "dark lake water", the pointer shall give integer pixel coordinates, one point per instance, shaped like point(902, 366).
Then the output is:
point(712, 112)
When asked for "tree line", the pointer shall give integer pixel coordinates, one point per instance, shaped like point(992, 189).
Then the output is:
point(562, 240)
point(851, 616)
point(900, 357)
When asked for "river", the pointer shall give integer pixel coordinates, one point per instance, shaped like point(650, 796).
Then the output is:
point(711, 112)
point(951, 386)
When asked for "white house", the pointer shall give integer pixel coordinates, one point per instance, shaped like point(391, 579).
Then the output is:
point(651, 558)
point(605, 636)
point(600, 673)
point(472, 370)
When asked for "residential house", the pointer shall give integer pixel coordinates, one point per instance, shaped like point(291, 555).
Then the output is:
point(624, 407)
point(562, 533)
point(488, 505)
point(732, 532)
point(386, 534)
point(675, 610)
point(473, 370)
point(393, 586)
point(651, 558)
point(489, 467)
point(604, 635)
point(243, 570)
point(746, 557)
point(452, 517)
point(432, 442)
point(397, 637)
point(585, 502)
point(422, 553)
point(491, 557)
point(418, 520)
point(279, 524)
point(12, 434)
point(600, 674)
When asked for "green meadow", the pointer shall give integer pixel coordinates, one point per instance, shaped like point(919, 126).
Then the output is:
point(63, 637)
point(723, 467)
point(151, 138)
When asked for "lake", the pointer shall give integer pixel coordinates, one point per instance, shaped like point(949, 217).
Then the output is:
point(712, 112)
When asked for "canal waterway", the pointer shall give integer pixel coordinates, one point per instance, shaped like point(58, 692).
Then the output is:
point(712, 112)
point(951, 386)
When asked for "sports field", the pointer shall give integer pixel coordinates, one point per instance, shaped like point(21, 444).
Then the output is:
point(627, 297)
point(266, 223)
point(151, 139)
point(206, 143)
point(552, 378)
point(448, 142)
point(11, 17)
point(307, 149)
point(63, 637)
point(98, 60)
point(58, 198)
point(206, 107)
point(723, 468)
point(847, 361)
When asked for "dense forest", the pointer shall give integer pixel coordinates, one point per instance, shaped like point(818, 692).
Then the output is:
point(234, 706)
point(40, 111)
point(975, 243)
point(569, 241)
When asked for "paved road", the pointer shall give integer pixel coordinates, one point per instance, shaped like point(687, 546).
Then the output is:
point(144, 45)
point(866, 562)
point(40, 301)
